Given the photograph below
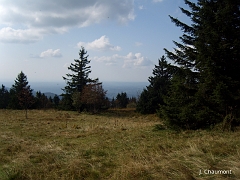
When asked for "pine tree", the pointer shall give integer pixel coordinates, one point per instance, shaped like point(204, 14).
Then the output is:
point(78, 79)
point(152, 97)
point(218, 45)
point(56, 100)
point(26, 98)
point(122, 100)
point(113, 103)
point(179, 108)
point(4, 97)
point(38, 102)
point(144, 104)
point(205, 91)
point(21, 94)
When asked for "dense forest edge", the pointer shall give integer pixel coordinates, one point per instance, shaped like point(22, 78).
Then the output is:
point(200, 90)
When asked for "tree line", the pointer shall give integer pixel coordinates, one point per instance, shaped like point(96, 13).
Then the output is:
point(20, 96)
point(81, 93)
point(202, 88)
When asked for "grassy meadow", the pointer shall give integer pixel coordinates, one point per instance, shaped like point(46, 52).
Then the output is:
point(114, 145)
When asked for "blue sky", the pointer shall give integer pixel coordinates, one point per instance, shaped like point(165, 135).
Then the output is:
point(124, 38)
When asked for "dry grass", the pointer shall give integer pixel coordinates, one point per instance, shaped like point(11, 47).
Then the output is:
point(118, 144)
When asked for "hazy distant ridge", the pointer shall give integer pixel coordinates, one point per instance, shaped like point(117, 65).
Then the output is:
point(133, 89)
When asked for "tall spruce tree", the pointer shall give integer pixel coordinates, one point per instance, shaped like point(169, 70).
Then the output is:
point(122, 100)
point(206, 89)
point(56, 101)
point(152, 97)
point(219, 58)
point(21, 94)
point(4, 97)
point(77, 80)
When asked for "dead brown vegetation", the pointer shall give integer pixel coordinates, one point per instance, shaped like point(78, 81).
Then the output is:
point(117, 144)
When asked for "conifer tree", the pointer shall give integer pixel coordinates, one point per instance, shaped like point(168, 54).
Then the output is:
point(78, 79)
point(4, 97)
point(113, 103)
point(56, 100)
point(218, 61)
point(38, 100)
point(26, 98)
point(21, 94)
point(152, 97)
point(205, 91)
point(122, 100)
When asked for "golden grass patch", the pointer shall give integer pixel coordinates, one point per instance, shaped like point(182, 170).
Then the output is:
point(117, 144)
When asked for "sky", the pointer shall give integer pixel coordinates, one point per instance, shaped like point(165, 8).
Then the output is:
point(123, 38)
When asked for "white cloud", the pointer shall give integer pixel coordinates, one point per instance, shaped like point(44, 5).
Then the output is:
point(51, 53)
point(138, 44)
point(129, 61)
point(140, 7)
point(101, 44)
point(108, 60)
point(157, 0)
point(11, 35)
point(136, 60)
point(33, 20)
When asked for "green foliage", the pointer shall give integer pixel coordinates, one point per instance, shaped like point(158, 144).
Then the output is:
point(56, 100)
point(144, 104)
point(66, 102)
point(4, 97)
point(178, 103)
point(92, 98)
point(81, 70)
point(77, 80)
point(132, 102)
point(152, 96)
point(205, 91)
point(21, 94)
point(122, 100)
point(42, 101)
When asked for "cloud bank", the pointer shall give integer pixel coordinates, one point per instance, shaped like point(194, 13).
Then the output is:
point(157, 1)
point(27, 21)
point(51, 53)
point(131, 60)
point(101, 44)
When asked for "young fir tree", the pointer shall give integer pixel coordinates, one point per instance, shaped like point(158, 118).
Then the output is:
point(39, 104)
point(26, 98)
point(20, 94)
point(18, 88)
point(4, 97)
point(56, 101)
point(78, 79)
point(206, 89)
point(122, 100)
point(152, 97)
